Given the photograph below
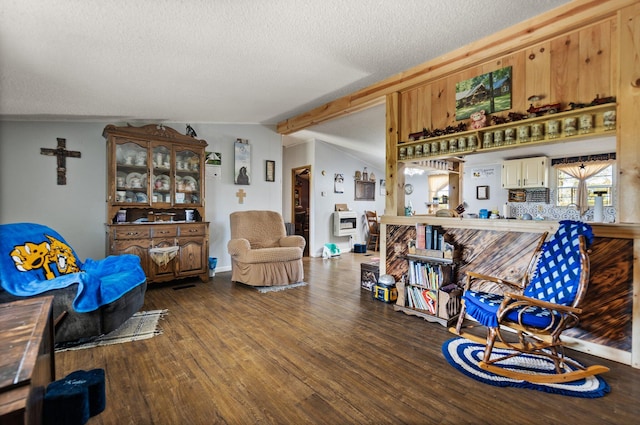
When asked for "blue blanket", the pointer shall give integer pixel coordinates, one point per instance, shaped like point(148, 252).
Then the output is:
point(35, 259)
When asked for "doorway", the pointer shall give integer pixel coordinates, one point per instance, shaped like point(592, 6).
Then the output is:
point(301, 202)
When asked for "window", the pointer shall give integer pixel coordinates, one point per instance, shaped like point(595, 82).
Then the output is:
point(602, 182)
point(443, 195)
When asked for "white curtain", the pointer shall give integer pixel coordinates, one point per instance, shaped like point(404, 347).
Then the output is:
point(437, 182)
point(582, 172)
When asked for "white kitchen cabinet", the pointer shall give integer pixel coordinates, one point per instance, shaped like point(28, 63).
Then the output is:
point(525, 173)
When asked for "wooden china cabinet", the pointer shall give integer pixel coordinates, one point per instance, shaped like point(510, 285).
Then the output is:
point(155, 200)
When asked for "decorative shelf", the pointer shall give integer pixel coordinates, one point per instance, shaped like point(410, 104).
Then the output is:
point(474, 139)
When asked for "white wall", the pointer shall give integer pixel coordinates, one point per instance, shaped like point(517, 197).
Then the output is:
point(482, 174)
point(28, 189)
point(29, 192)
point(325, 157)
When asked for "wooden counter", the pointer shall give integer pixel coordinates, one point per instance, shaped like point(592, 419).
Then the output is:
point(26, 359)
point(610, 324)
point(612, 230)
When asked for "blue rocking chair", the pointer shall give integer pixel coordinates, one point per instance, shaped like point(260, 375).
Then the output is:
point(555, 286)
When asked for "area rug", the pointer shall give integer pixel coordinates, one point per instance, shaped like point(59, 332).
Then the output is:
point(464, 355)
point(142, 325)
point(264, 289)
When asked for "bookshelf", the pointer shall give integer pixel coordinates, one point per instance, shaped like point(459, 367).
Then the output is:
point(429, 290)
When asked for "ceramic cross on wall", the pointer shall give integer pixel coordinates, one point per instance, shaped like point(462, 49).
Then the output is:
point(241, 194)
point(62, 153)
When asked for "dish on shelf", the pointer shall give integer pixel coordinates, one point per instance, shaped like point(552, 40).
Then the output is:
point(190, 184)
point(121, 178)
point(161, 197)
point(130, 196)
point(141, 197)
point(120, 155)
point(134, 180)
point(162, 182)
point(129, 157)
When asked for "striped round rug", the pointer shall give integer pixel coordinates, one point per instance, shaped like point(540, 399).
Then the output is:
point(464, 355)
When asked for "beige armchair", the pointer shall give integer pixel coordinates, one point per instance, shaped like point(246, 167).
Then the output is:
point(261, 252)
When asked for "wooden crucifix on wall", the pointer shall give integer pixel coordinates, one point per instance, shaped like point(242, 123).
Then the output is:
point(62, 153)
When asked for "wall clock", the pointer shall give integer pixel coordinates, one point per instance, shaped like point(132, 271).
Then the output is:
point(408, 189)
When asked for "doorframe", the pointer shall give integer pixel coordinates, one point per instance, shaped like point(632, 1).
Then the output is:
point(294, 173)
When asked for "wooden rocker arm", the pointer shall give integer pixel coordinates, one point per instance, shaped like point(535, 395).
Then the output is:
point(543, 304)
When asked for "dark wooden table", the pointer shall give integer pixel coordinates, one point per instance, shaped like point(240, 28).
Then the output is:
point(27, 361)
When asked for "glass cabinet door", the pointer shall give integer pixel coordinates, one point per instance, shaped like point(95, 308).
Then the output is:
point(188, 184)
point(131, 183)
point(161, 160)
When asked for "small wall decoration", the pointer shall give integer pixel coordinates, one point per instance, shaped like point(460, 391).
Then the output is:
point(482, 173)
point(490, 92)
point(270, 171)
point(365, 190)
point(482, 192)
point(62, 153)
point(213, 158)
point(213, 163)
point(383, 187)
point(338, 183)
point(242, 162)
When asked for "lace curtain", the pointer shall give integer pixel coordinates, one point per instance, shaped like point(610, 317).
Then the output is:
point(437, 182)
point(582, 172)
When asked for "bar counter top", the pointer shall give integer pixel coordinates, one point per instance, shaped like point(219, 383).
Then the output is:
point(611, 230)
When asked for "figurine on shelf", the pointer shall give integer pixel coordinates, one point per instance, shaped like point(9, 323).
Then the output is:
point(498, 120)
point(602, 100)
point(478, 119)
point(190, 131)
point(461, 127)
point(365, 174)
point(515, 116)
point(536, 111)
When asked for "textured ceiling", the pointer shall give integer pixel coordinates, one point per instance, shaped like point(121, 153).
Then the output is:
point(231, 61)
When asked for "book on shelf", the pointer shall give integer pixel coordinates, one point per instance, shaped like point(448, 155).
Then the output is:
point(428, 237)
point(420, 236)
point(422, 299)
point(431, 300)
point(437, 237)
point(431, 276)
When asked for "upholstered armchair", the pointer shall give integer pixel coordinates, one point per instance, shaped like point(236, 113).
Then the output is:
point(261, 252)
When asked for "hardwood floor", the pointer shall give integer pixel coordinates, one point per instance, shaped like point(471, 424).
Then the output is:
point(326, 353)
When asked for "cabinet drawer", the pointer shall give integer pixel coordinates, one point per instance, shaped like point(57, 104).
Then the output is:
point(193, 229)
point(141, 232)
point(137, 247)
point(164, 231)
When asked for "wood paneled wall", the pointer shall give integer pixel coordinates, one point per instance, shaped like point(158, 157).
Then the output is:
point(607, 307)
point(574, 67)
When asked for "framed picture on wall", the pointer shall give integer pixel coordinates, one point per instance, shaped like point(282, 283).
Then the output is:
point(365, 190)
point(482, 192)
point(338, 183)
point(242, 171)
point(490, 92)
point(270, 171)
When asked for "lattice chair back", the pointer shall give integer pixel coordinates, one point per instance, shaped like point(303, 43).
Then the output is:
point(558, 271)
